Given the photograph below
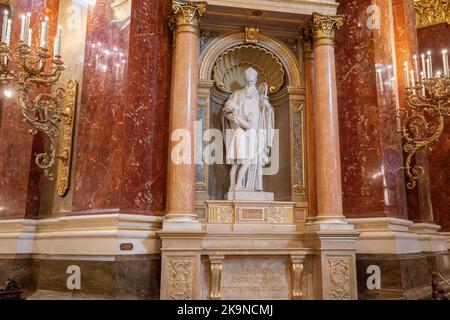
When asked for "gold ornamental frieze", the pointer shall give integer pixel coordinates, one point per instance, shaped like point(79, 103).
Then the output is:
point(248, 212)
point(431, 12)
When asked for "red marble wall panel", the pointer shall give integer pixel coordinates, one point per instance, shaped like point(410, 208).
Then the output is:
point(19, 176)
point(372, 175)
point(435, 38)
point(406, 46)
point(122, 137)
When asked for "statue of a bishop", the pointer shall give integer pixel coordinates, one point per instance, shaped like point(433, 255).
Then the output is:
point(248, 127)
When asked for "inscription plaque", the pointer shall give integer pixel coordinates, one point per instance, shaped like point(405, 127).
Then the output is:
point(255, 280)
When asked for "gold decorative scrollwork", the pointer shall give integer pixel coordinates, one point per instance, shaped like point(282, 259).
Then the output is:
point(221, 214)
point(65, 145)
point(280, 215)
point(431, 12)
point(43, 112)
point(323, 28)
point(339, 272)
point(180, 279)
point(430, 102)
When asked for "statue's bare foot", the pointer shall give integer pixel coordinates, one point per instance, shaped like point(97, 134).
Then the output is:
point(232, 188)
point(239, 189)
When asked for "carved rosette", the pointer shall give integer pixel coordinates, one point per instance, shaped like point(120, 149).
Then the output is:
point(323, 28)
point(187, 13)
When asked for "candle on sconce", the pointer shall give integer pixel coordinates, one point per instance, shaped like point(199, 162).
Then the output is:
point(8, 32)
point(29, 37)
point(430, 65)
point(406, 74)
point(416, 67)
point(27, 27)
point(44, 33)
point(445, 61)
point(22, 28)
point(58, 41)
point(5, 25)
point(422, 57)
point(413, 82)
point(55, 48)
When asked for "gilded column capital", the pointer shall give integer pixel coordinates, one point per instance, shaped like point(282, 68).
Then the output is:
point(323, 28)
point(187, 13)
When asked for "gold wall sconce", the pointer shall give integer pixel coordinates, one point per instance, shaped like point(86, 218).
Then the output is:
point(31, 74)
point(428, 97)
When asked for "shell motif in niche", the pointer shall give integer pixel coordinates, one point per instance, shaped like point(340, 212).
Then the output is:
point(229, 68)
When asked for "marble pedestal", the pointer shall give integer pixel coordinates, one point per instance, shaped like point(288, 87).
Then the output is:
point(254, 250)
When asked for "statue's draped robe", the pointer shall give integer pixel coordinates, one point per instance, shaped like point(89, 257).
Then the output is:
point(249, 146)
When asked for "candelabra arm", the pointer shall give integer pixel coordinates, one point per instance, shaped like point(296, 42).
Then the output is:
point(416, 141)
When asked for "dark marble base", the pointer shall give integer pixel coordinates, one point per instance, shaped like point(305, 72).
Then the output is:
point(22, 268)
point(405, 276)
point(119, 277)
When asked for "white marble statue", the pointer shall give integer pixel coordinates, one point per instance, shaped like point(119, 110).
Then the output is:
point(248, 125)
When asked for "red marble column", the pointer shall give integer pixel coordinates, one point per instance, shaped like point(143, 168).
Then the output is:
point(435, 38)
point(371, 154)
point(123, 123)
point(181, 172)
point(19, 175)
point(326, 127)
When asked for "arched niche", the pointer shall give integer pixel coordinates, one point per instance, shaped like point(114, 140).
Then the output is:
point(287, 99)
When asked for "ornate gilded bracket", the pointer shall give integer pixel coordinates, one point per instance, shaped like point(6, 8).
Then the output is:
point(296, 276)
point(66, 138)
point(215, 276)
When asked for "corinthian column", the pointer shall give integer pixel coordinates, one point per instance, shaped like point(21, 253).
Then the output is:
point(328, 162)
point(181, 169)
